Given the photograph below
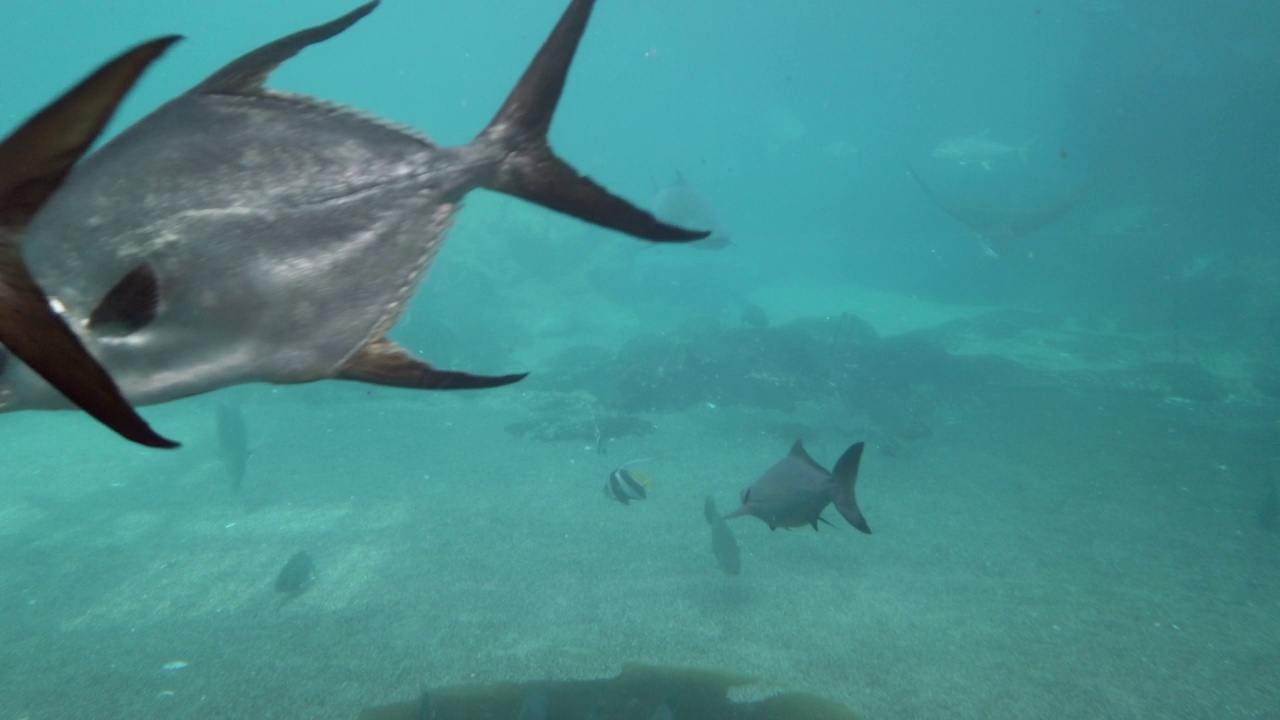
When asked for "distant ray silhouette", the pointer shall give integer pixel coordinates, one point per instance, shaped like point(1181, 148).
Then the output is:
point(1001, 226)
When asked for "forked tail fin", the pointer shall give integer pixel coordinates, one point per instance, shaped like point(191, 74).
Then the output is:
point(530, 170)
point(845, 477)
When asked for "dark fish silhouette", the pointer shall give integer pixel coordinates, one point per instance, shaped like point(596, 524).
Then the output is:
point(535, 705)
point(1269, 508)
point(425, 710)
point(245, 235)
point(663, 712)
point(795, 491)
point(681, 205)
point(753, 316)
point(1000, 227)
point(723, 544)
point(233, 443)
point(297, 574)
point(34, 161)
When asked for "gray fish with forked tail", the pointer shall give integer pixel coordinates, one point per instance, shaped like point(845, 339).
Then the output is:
point(34, 161)
point(795, 491)
point(241, 235)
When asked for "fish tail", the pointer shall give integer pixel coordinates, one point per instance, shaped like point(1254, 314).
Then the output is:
point(528, 168)
point(845, 477)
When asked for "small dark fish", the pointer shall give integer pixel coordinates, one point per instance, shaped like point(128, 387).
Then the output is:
point(663, 712)
point(753, 316)
point(626, 485)
point(426, 711)
point(679, 204)
point(1269, 509)
point(795, 491)
point(233, 443)
point(34, 161)
point(297, 574)
point(535, 705)
point(723, 544)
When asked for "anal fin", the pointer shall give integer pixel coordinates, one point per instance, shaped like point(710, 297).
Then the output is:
point(383, 362)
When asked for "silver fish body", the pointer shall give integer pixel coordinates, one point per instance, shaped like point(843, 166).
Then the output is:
point(240, 237)
point(794, 491)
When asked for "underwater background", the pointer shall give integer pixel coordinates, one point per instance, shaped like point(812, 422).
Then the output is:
point(1072, 468)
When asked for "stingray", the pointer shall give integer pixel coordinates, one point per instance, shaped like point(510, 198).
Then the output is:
point(34, 162)
point(1000, 227)
point(680, 204)
point(239, 234)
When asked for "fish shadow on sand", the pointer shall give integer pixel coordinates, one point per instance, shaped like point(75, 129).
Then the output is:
point(724, 546)
point(639, 692)
point(296, 577)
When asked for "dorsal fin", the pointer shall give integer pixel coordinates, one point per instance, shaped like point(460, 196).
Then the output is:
point(246, 74)
point(799, 453)
point(129, 305)
point(383, 362)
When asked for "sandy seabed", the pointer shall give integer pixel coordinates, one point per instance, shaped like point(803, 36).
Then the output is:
point(1046, 553)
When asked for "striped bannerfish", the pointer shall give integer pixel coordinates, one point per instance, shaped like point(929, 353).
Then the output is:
point(626, 485)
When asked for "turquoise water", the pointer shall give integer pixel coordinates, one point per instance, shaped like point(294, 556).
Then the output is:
point(1071, 469)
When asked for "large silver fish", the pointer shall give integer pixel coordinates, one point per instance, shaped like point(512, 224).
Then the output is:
point(34, 162)
point(796, 489)
point(238, 234)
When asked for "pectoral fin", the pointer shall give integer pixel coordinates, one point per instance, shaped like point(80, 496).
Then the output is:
point(130, 305)
point(383, 362)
